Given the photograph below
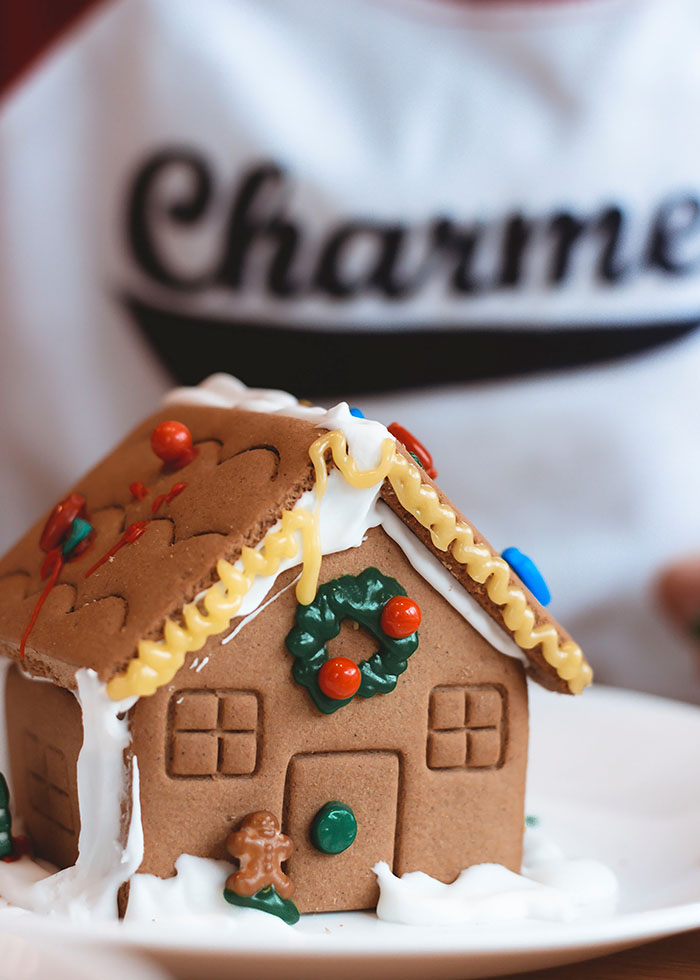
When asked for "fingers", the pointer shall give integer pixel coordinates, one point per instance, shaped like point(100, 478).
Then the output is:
point(678, 592)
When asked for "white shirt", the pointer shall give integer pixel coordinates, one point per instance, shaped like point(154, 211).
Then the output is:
point(539, 121)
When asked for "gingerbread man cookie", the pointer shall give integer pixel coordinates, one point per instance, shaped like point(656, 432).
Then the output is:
point(261, 848)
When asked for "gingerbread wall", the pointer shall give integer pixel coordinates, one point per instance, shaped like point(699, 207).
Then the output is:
point(45, 733)
point(434, 771)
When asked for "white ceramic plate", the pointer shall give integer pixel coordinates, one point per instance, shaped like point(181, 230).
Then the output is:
point(613, 775)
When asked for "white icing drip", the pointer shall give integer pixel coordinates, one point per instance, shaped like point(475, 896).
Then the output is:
point(251, 617)
point(88, 890)
point(345, 513)
point(551, 887)
point(429, 568)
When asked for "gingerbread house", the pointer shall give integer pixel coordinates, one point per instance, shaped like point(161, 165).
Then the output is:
point(232, 626)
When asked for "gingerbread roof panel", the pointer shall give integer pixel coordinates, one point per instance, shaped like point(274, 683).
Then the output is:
point(176, 554)
point(248, 469)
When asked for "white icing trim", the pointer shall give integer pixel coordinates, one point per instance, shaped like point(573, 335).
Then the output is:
point(256, 612)
point(435, 574)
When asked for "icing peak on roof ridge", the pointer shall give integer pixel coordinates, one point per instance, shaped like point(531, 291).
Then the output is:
point(365, 437)
point(223, 390)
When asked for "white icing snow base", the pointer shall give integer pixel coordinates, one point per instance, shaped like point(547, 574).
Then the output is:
point(195, 897)
point(550, 888)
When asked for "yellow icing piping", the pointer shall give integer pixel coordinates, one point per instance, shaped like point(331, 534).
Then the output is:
point(157, 661)
point(448, 534)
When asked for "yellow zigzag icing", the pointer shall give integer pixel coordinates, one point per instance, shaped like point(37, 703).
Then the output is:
point(448, 534)
point(157, 661)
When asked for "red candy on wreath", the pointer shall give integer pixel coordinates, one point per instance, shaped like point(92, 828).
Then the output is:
point(172, 442)
point(401, 617)
point(339, 678)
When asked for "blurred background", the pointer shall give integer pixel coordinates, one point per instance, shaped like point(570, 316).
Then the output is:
point(481, 220)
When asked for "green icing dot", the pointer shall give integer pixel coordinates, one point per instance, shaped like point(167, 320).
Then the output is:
point(266, 900)
point(334, 828)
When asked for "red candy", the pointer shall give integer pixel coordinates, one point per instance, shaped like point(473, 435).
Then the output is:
point(339, 678)
point(61, 520)
point(172, 442)
point(401, 616)
point(414, 446)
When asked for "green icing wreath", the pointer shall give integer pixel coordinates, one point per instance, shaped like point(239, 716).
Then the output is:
point(361, 598)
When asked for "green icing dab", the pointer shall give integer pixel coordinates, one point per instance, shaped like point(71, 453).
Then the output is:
point(334, 828)
point(266, 900)
point(532, 821)
point(361, 598)
point(6, 845)
point(78, 532)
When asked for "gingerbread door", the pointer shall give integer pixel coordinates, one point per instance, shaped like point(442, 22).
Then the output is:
point(366, 786)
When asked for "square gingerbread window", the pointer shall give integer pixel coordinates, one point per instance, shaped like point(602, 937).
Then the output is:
point(466, 727)
point(213, 734)
point(48, 782)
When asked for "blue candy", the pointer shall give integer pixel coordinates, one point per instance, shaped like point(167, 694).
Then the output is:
point(79, 530)
point(357, 413)
point(529, 573)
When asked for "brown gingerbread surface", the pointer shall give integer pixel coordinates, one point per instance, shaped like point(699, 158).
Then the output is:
point(434, 771)
point(250, 467)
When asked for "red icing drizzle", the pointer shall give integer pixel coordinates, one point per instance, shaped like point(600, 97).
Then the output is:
point(132, 533)
point(138, 490)
point(53, 563)
point(165, 498)
point(60, 522)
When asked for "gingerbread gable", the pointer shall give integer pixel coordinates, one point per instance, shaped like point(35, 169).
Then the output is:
point(138, 613)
